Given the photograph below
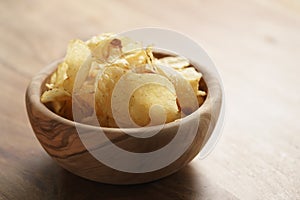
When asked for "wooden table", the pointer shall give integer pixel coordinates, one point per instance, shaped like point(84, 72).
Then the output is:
point(256, 46)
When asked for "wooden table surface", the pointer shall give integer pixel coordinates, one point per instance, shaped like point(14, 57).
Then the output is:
point(256, 47)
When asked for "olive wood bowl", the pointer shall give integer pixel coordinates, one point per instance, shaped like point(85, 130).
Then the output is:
point(59, 136)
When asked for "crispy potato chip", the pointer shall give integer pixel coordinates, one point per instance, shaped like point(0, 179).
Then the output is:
point(55, 94)
point(77, 53)
point(53, 78)
point(49, 86)
point(136, 58)
point(192, 76)
point(184, 90)
point(149, 95)
point(106, 48)
point(201, 93)
point(105, 87)
point(126, 87)
point(201, 96)
point(129, 45)
point(175, 62)
point(61, 75)
point(96, 40)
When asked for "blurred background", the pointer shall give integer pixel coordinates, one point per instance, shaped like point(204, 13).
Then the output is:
point(255, 45)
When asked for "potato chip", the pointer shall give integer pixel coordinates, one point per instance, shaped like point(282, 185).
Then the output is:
point(104, 90)
point(149, 95)
point(61, 74)
point(53, 78)
point(175, 62)
point(201, 96)
point(55, 94)
point(129, 45)
point(125, 89)
point(189, 73)
point(96, 40)
point(192, 76)
point(77, 53)
point(105, 49)
point(136, 58)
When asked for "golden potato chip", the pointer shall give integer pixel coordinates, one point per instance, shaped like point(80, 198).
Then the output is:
point(201, 96)
point(61, 74)
point(106, 84)
point(129, 45)
point(192, 76)
point(175, 62)
point(149, 95)
point(77, 53)
point(185, 91)
point(129, 87)
point(49, 86)
point(94, 41)
point(55, 94)
point(106, 49)
point(136, 58)
point(53, 78)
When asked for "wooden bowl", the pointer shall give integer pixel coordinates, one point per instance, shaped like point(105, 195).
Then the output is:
point(59, 136)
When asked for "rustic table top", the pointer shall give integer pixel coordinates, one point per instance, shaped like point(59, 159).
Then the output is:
point(255, 45)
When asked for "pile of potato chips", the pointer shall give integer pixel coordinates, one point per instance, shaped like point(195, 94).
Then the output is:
point(91, 70)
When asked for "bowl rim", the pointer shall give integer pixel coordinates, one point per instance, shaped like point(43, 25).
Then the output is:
point(34, 89)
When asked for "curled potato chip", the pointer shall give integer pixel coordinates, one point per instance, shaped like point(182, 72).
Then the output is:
point(192, 76)
point(176, 62)
point(55, 94)
point(105, 48)
point(104, 90)
point(77, 53)
point(124, 93)
point(96, 40)
point(136, 58)
point(129, 45)
point(150, 95)
point(61, 74)
point(201, 96)
point(53, 78)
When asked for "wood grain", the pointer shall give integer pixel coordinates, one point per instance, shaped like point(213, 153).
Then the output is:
point(255, 45)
